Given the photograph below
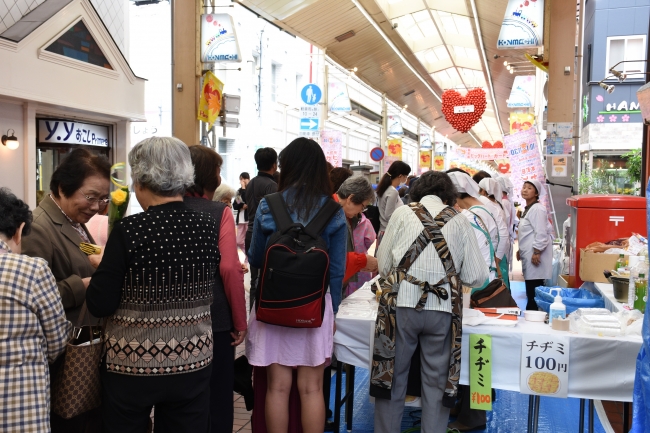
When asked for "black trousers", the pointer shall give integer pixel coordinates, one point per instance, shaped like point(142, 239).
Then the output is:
point(531, 285)
point(222, 382)
point(182, 402)
point(255, 273)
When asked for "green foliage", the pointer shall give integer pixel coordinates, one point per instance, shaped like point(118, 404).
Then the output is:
point(633, 158)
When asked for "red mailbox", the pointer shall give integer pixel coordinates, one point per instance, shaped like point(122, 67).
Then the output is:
point(601, 218)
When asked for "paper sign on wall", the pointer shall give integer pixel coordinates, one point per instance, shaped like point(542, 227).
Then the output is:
point(480, 371)
point(544, 365)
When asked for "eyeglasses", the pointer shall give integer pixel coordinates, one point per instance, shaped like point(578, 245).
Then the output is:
point(101, 202)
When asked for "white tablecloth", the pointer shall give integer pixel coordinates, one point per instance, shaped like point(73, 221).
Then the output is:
point(601, 368)
point(606, 290)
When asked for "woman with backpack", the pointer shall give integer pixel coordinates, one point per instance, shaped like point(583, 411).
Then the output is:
point(305, 189)
point(388, 198)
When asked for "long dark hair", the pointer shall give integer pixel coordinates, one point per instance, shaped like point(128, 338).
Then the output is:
point(397, 168)
point(304, 170)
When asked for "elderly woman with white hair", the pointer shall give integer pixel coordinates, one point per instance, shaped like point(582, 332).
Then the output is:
point(491, 197)
point(155, 285)
point(535, 241)
point(224, 194)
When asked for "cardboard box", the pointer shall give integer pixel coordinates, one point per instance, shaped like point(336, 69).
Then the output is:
point(593, 264)
point(567, 281)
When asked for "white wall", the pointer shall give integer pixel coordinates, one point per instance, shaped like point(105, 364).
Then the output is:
point(11, 161)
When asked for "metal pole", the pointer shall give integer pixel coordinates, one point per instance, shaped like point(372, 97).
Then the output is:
point(577, 118)
point(324, 114)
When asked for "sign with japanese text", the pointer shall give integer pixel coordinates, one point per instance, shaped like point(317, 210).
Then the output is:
point(525, 162)
point(425, 140)
point(521, 122)
point(69, 132)
point(522, 94)
point(310, 111)
point(332, 143)
point(480, 371)
point(544, 365)
point(480, 154)
point(218, 39)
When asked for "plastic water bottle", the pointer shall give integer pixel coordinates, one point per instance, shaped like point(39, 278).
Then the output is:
point(558, 309)
point(641, 292)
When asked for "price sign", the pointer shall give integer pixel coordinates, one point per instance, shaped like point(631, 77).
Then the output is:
point(480, 371)
point(544, 365)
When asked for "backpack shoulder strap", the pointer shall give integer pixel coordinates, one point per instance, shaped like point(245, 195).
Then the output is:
point(323, 217)
point(279, 211)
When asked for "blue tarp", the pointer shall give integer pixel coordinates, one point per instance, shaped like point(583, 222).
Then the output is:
point(572, 298)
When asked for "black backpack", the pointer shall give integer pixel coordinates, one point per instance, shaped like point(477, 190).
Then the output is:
point(295, 275)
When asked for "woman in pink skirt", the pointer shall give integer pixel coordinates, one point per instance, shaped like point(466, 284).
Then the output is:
point(305, 187)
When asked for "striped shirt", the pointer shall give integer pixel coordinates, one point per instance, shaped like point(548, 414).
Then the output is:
point(404, 227)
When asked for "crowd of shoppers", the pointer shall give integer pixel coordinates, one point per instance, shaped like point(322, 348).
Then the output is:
point(169, 284)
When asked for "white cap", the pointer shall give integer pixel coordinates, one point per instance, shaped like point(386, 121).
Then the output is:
point(492, 187)
point(464, 183)
point(538, 186)
point(503, 181)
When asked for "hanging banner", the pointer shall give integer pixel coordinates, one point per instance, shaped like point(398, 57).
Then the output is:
point(332, 143)
point(544, 365)
point(210, 102)
point(393, 152)
point(523, 25)
point(395, 125)
point(503, 165)
point(480, 371)
point(425, 141)
point(337, 97)
point(425, 159)
point(525, 162)
point(522, 94)
point(218, 39)
point(480, 154)
point(521, 122)
point(439, 162)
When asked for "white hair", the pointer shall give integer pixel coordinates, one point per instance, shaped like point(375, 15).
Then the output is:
point(357, 186)
point(163, 165)
point(224, 191)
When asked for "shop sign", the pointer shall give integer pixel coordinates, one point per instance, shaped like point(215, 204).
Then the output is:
point(522, 94)
point(393, 152)
point(218, 39)
point(337, 97)
point(480, 371)
point(425, 159)
point(70, 132)
point(425, 140)
point(544, 366)
point(523, 25)
point(521, 122)
point(525, 162)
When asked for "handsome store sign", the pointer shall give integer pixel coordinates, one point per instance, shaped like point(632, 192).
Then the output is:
point(523, 25)
point(218, 39)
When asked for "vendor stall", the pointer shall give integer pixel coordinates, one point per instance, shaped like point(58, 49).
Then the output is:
point(590, 356)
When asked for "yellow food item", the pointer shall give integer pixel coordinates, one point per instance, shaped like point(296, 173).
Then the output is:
point(543, 383)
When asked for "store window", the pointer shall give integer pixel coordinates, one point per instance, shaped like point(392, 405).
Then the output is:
point(77, 43)
point(628, 49)
point(610, 171)
point(57, 138)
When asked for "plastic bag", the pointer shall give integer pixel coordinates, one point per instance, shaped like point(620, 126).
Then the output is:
point(599, 247)
point(572, 298)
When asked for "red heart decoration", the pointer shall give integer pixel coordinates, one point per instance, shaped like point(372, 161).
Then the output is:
point(504, 167)
point(495, 145)
point(463, 122)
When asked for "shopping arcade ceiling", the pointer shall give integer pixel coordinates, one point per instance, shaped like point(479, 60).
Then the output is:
point(438, 39)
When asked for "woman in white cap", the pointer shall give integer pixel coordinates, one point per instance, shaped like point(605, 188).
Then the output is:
point(509, 209)
point(480, 218)
point(535, 241)
point(491, 196)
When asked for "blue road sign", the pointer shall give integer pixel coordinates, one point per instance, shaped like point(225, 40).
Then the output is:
point(309, 124)
point(377, 154)
point(311, 94)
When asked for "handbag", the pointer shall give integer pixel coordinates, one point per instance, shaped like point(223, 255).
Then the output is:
point(494, 295)
point(76, 386)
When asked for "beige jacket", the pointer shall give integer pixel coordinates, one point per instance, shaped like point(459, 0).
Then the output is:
point(53, 239)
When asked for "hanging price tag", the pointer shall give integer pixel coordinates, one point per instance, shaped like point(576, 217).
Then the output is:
point(544, 365)
point(480, 371)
